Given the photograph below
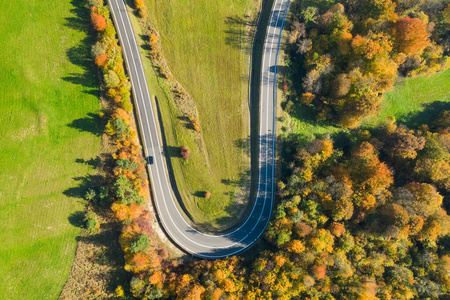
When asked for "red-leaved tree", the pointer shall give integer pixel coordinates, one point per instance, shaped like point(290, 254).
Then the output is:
point(185, 152)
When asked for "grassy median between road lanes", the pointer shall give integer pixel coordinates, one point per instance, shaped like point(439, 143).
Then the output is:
point(49, 136)
point(207, 49)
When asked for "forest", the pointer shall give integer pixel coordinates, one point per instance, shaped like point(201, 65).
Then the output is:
point(342, 57)
point(364, 216)
point(366, 220)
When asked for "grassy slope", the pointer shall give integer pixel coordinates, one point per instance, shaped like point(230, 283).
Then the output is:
point(202, 50)
point(412, 101)
point(46, 83)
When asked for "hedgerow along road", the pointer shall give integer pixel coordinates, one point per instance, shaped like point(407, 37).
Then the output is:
point(171, 217)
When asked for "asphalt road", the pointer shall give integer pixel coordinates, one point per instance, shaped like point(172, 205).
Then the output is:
point(172, 219)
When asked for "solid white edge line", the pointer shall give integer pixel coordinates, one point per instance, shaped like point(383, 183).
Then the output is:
point(266, 152)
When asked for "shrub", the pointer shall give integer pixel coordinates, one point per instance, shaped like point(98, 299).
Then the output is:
point(153, 38)
point(97, 49)
point(194, 123)
point(111, 79)
point(90, 195)
point(121, 128)
point(138, 4)
point(143, 12)
point(103, 195)
point(91, 221)
point(126, 105)
point(119, 291)
point(185, 152)
point(95, 2)
point(141, 244)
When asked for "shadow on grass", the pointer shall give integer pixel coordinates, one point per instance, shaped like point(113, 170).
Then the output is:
point(243, 178)
point(145, 38)
point(173, 151)
point(199, 194)
point(80, 54)
point(243, 143)
point(237, 35)
point(91, 124)
point(93, 162)
point(84, 183)
point(184, 120)
point(429, 113)
point(77, 219)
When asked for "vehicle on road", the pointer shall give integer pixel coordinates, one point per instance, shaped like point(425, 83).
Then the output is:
point(199, 244)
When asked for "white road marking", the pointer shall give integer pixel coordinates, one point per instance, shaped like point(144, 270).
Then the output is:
point(263, 151)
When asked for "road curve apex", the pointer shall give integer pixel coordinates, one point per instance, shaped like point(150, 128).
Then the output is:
point(186, 237)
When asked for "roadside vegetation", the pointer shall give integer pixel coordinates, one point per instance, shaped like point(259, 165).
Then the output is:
point(362, 213)
point(204, 101)
point(49, 143)
point(119, 233)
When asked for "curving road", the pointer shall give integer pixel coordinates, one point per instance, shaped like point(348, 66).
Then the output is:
point(185, 236)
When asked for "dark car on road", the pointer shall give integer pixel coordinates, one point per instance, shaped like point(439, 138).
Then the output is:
point(150, 160)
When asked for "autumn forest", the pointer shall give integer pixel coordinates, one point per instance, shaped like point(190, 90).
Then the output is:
point(364, 216)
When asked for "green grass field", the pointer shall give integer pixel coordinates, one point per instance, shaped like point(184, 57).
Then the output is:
point(204, 44)
point(412, 101)
point(48, 131)
point(415, 101)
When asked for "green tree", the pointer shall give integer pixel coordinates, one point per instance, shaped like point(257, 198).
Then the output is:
point(121, 128)
point(90, 195)
point(140, 244)
point(91, 221)
point(111, 79)
point(125, 192)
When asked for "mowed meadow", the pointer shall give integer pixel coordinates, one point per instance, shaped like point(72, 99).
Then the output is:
point(49, 138)
point(207, 48)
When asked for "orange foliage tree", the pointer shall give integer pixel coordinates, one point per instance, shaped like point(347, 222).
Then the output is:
point(411, 35)
point(101, 59)
point(319, 272)
point(98, 21)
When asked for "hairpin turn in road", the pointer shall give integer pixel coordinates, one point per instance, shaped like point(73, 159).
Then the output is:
point(180, 231)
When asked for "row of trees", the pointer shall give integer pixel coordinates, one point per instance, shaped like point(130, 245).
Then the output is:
point(128, 191)
point(343, 55)
point(361, 222)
